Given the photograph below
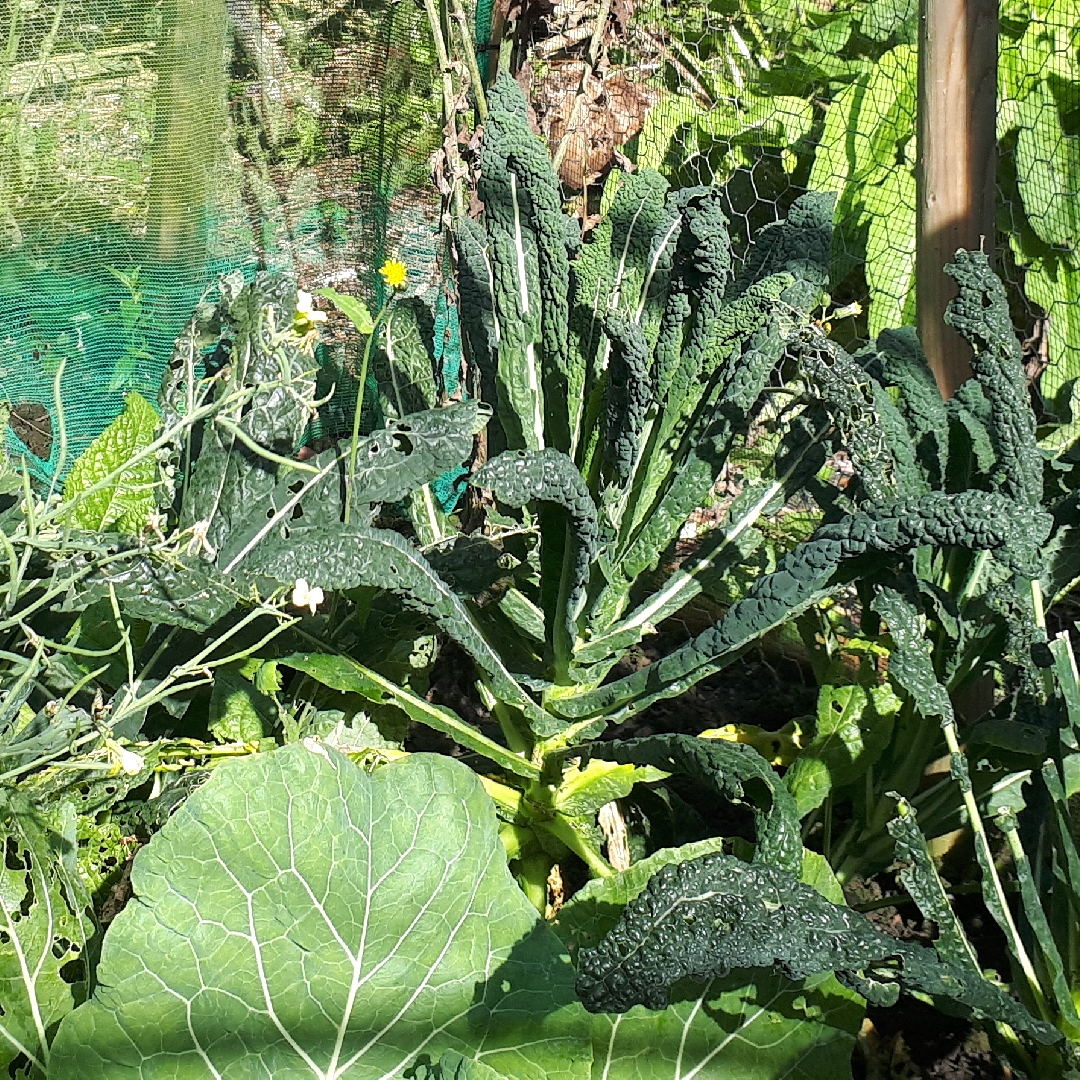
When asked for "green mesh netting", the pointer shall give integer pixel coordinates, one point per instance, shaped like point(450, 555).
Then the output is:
point(148, 146)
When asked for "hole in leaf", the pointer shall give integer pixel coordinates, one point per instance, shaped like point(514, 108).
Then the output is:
point(403, 444)
point(13, 857)
point(74, 971)
point(32, 423)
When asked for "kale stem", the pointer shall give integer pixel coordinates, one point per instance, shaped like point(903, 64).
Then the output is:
point(982, 846)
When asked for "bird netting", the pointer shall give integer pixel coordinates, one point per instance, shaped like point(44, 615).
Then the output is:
point(149, 146)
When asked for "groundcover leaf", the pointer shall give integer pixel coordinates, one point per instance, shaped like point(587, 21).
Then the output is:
point(300, 918)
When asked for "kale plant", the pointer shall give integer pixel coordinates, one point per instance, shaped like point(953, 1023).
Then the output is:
point(202, 593)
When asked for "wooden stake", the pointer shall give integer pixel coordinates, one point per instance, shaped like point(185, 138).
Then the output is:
point(956, 166)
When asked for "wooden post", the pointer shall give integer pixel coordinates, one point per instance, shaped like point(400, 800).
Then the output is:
point(957, 159)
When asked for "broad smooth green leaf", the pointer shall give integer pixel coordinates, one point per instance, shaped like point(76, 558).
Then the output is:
point(354, 310)
point(125, 504)
point(43, 926)
point(1048, 170)
point(747, 1024)
point(452, 1066)
point(890, 249)
point(854, 725)
point(297, 917)
point(1053, 282)
point(752, 1025)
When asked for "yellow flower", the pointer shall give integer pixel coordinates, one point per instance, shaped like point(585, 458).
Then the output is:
point(394, 274)
point(848, 312)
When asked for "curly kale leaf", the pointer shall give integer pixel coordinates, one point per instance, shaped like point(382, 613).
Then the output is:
point(629, 391)
point(799, 245)
point(746, 343)
point(702, 918)
point(476, 306)
point(416, 449)
point(505, 96)
point(733, 771)
point(354, 556)
point(392, 462)
point(911, 664)
point(978, 520)
point(921, 880)
point(981, 314)
point(970, 411)
point(515, 286)
point(870, 427)
point(904, 365)
point(404, 366)
point(523, 201)
point(700, 275)
point(180, 591)
point(627, 259)
point(522, 476)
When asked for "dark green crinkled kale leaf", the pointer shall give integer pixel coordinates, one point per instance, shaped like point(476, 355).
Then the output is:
point(978, 520)
point(704, 917)
point(518, 477)
point(981, 314)
point(355, 556)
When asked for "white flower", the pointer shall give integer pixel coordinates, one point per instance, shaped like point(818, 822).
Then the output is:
point(305, 308)
point(131, 764)
point(305, 596)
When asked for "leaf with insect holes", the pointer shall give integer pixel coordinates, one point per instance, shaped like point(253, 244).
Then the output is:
point(854, 726)
point(583, 791)
point(44, 925)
